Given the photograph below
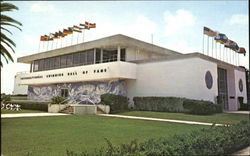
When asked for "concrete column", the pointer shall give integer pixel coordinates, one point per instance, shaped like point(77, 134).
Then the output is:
point(94, 55)
point(31, 67)
point(101, 60)
point(118, 53)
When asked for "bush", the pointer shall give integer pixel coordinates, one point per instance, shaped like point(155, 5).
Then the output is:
point(5, 98)
point(59, 100)
point(201, 107)
point(43, 106)
point(117, 103)
point(221, 140)
point(159, 104)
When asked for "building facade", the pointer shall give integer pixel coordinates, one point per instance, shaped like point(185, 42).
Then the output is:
point(126, 66)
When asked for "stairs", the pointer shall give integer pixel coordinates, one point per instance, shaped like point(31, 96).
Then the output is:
point(67, 110)
point(99, 111)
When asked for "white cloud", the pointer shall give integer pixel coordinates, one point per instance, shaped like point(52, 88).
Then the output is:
point(39, 7)
point(238, 19)
point(177, 23)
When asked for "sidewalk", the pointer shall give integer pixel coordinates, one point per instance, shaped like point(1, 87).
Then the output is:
point(245, 151)
point(30, 115)
point(238, 112)
point(157, 119)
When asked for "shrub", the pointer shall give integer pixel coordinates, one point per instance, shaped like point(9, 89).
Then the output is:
point(117, 103)
point(59, 100)
point(43, 106)
point(221, 140)
point(159, 104)
point(5, 98)
point(201, 107)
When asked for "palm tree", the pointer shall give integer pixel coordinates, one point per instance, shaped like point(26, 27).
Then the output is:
point(7, 21)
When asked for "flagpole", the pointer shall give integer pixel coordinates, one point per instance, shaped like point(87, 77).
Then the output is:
point(77, 37)
point(83, 34)
point(72, 37)
point(212, 47)
point(47, 45)
point(39, 46)
point(216, 53)
point(207, 45)
point(203, 45)
point(223, 53)
point(238, 59)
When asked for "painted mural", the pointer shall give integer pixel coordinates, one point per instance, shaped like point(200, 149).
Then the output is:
point(78, 93)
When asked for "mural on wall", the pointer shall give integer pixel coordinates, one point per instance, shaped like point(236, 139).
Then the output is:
point(78, 93)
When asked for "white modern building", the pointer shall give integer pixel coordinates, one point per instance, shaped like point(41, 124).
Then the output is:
point(126, 66)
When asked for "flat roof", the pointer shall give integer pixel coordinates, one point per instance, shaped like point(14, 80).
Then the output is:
point(115, 40)
point(191, 55)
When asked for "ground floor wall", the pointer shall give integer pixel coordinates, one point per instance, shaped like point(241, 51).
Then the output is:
point(78, 93)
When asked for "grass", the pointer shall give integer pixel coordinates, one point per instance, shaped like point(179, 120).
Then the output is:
point(221, 118)
point(5, 111)
point(51, 136)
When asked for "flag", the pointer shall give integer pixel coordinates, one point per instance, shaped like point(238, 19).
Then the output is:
point(61, 34)
point(242, 50)
point(89, 25)
point(82, 24)
point(67, 31)
point(221, 38)
point(209, 32)
point(42, 38)
point(232, 45)
point(76, 27)
point(55, 35)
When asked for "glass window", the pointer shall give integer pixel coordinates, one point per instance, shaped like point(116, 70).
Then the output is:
point(98, 56)
point(35, 66)
point(63, 61)
point(109, 55)
point(46, 64)
point(90, 57)
point(83, 58)
point(76, 58)
point(41, 65)
point(52, 63)
point(64, 92)
point(57, 62)
point(123, 55)
point(69, 60)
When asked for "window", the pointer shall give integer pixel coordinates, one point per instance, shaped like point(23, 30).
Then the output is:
point(64, 92)
point(35, 66)
point(123, 55)
point(76, 58)
point(57, 62)
point(63, 61)
point(90, 57)
point(52, 63)
point(46, 64)
point(98, 56)
point(41, 65)
point(109, 55)
point(69, 60)
point(83, 58)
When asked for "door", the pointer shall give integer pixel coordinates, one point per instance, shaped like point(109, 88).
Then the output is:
point(222, 87)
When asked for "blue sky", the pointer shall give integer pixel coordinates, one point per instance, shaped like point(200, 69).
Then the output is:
point(176, 25)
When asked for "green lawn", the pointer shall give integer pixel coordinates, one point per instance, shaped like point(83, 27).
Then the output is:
point(5, 111)
point(222, 118)
point(51, 136)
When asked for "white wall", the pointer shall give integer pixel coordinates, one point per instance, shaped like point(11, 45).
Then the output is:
point(240, 75)
point(178, 78)
point(114, 70)
point(18, 88)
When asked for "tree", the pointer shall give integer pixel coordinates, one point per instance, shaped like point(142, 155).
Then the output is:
point(6, 42)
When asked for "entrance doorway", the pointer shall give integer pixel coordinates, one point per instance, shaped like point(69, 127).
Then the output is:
point(222, 87)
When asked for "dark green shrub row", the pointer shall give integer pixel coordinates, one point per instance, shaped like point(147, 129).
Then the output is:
point(201, 107)
point(5, 98)
point(43, 106)
point(159, 104)
point(59, 100)
point(117, 103)
point(210, 141)
point(244, 107)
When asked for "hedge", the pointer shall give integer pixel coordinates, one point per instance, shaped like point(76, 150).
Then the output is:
point(43, 106)
point(201, 107)
point(159, 104)
point(221, 140)
point(117, 103)
point(174, 104)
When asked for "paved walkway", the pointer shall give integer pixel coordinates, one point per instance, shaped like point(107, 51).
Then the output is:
point(157, 119)
point(18, 115)
point(237, 112)
point(245, 151)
